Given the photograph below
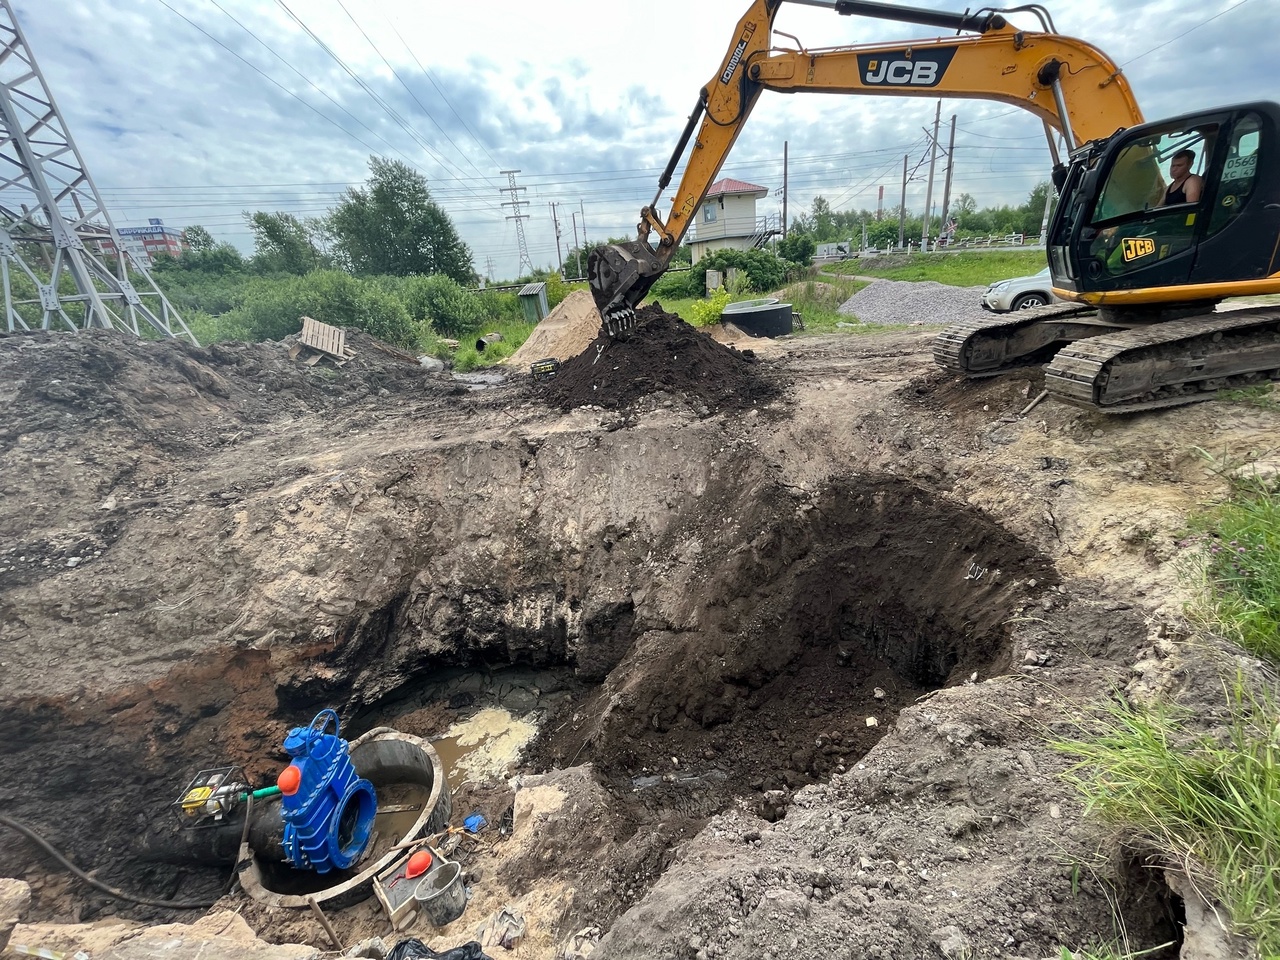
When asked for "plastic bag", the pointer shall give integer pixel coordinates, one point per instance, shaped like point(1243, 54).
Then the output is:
point(414, 949)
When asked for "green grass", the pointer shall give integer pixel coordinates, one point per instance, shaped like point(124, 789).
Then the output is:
point(816, 300)
point(1210, 805)
point(467, 357)
point(1239, 561)
point(1262, 395)
point(964, 269)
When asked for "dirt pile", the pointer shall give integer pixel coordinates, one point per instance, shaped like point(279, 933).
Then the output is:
point(661, 353)
point(716, 606)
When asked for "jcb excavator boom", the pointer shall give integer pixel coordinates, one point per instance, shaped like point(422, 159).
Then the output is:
point(1071, 85)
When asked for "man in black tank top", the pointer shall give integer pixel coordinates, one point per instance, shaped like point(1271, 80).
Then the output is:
point(1185, 186)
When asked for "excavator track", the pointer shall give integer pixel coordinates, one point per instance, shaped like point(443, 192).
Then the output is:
point(991, 345)
point(1168, 364)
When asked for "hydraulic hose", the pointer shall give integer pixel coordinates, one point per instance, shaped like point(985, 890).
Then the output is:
point(48, 848)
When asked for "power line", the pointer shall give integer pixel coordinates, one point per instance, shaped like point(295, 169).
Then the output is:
point(390, 111)
point(427, 74)
point(396, 74)
point(1185, 32)
point(313, 84)
point(165, 4)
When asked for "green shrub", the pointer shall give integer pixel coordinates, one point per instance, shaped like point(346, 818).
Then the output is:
point(707, 312)
point(764, 271)
point(500, 306)
point(674, 285)
point(273, 309)
point(441, 301)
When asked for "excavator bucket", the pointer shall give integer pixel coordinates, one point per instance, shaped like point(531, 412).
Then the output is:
point(620, 275)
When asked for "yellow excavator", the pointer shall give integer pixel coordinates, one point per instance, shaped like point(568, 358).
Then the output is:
point(1143, 262)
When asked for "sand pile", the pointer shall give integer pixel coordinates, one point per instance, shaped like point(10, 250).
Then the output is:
point(565, 332)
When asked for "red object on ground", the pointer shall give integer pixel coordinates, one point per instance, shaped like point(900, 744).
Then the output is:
point(418, 864)
point(290, 780)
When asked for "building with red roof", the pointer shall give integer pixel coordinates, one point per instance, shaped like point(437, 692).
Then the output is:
point(727, 219)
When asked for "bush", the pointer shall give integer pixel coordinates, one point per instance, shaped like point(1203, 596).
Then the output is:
point(707, 312)
point(273, 309)
point(676, 286)
point(798, 248)
point(442, 302)
point(764, 271)
point(499, 307)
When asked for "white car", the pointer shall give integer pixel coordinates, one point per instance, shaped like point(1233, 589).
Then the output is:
point(1020, 293)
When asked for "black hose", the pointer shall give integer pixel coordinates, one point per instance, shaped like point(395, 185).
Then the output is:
point(98, 884)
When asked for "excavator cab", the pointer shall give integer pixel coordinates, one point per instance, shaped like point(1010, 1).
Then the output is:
point(1125, 235)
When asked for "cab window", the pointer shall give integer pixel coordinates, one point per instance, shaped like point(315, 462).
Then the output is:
point(1144, 172)
point(1147, 208)
point(1239, 172)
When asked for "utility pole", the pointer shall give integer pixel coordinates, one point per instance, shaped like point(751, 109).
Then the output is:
point(582, 213)
point(784, 189)
point(902, 208)
point(48, 201)
point(928, 191)
point(946, 190)
point(516, 203)
point(555, 222)
point(573, 214)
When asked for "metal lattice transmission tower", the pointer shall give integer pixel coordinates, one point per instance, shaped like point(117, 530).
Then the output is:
point(516, 203)
point(53, 223)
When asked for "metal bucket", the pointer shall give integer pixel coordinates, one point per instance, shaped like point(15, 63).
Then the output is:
point(441, 894)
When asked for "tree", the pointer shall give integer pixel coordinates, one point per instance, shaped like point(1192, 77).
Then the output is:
point(392, 226)
point(1033, 209)
point(198, 239)
point(283, 243)
point(798, 247)
point(824, 224)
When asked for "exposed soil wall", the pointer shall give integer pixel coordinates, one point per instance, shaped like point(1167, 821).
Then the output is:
point(716, 580)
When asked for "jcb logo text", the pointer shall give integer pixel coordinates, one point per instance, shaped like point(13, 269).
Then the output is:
point(904, 68)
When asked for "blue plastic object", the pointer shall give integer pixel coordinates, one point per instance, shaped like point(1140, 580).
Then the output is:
point(475, 823)
point(329, 819)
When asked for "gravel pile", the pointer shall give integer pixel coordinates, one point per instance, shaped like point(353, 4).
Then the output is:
point(900, 301)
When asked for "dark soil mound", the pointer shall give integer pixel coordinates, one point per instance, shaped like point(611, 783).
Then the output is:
point(661, 353)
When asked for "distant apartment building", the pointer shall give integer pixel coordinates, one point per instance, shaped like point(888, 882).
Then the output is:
point(145, 242)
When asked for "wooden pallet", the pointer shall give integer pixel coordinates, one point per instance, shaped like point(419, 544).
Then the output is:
point(322, 340)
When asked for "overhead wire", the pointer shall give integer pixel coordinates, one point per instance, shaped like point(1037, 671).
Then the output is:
point(273, 81)
point(427, 74)
point(396, 73)
point(377, 98)
point(1223, 13)
point(312, 83)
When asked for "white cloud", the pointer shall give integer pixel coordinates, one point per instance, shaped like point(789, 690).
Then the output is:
point(587, 100)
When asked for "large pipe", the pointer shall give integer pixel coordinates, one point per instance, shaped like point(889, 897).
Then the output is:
point(169, 842)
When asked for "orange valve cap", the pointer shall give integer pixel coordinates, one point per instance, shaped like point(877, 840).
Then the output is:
point(290, 779)
point(418, 864)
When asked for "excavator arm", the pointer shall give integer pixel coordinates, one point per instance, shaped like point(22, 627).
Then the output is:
point(1071, 85)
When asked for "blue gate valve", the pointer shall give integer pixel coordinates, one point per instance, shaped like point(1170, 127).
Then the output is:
point(328, 808)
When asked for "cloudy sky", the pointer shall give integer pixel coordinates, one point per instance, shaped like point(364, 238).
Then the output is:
point(196, 110)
